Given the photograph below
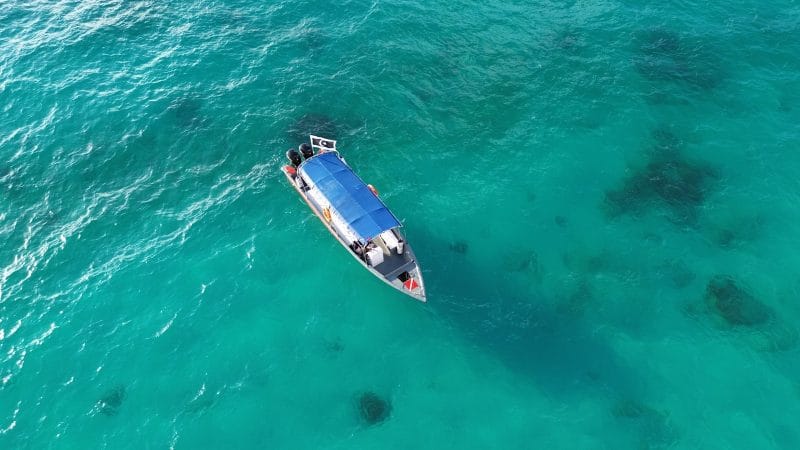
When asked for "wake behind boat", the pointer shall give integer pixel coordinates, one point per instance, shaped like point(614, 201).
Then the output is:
point(354, 214)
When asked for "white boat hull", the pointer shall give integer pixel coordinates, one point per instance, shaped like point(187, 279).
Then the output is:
point(413, 270)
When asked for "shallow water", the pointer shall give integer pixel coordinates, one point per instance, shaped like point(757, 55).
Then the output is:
point(573, 178)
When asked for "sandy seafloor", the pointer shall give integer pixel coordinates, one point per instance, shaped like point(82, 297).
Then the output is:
point(603, 197)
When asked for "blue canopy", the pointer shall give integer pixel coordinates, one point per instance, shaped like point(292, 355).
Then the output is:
point(349, 196)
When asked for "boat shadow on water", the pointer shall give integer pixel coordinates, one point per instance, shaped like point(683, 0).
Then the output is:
point(560, 352)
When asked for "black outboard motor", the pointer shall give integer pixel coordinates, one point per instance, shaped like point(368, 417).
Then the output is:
point(294, 157)
point(306, 150)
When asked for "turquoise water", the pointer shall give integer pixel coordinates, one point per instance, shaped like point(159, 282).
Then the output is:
point(603, 197)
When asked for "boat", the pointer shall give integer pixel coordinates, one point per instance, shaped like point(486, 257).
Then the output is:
point(354, 214)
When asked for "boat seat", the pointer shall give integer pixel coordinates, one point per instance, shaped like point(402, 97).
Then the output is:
point(391, 241)
point(375, 257)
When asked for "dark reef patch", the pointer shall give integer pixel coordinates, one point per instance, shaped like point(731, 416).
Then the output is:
point(663, 56)
point(372, 408)
point(738, 311)
point(591, 263)
point(519, 261)
point(111, 401)
point(576, 302)
point(678, 273)
point(665, 140)
point(6, 173)
point(314, 39)
point(313, 123)
point(676, 183)
point(734, 232)
point(568, 41)
point(631, 409)
point(523, 261)
point(726, 238)
point(459, 247)
point(735, 304)
point(655, 430)
point(561, 221)
point(334, 345)
point(200, 403)
point(186, 112)
point(668, 179)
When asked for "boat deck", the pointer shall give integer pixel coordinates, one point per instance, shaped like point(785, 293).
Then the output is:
point(394, 264)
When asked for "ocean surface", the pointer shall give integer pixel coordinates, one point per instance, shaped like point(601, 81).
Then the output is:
point(604, 197)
